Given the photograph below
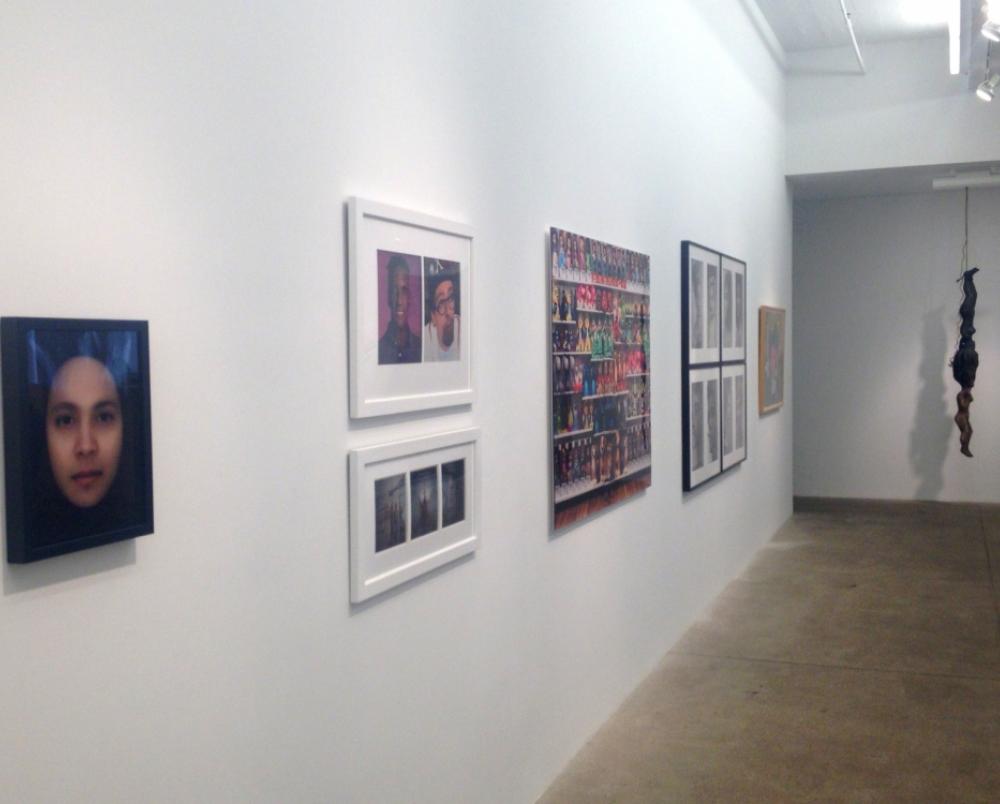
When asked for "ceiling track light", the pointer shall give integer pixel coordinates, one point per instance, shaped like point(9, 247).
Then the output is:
point(988, 87)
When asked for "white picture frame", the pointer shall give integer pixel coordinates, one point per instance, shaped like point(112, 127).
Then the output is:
point(734, 309)
point(734, 414)
point(398, 361)
point(414, 508)
point(702, 440)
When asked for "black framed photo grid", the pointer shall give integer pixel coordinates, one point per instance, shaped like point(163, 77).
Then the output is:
point(713, 360)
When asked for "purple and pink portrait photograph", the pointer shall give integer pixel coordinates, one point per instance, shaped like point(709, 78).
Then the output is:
point(399, 308)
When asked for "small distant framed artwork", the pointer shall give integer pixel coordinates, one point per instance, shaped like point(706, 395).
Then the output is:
point(734, 414)
point(700, 410)
point(414, 508)
point(78, 451)
point(713, 363)
point(771, 359)
point(410, 297)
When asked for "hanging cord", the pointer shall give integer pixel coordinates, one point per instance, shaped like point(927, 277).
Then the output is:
point(965, 263)
point(965, 245)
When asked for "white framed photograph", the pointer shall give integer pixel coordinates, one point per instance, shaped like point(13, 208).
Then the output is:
point(701, 304)
point(411, 321)
point(702, 453)
point(734, 308)
point(414, 507)
point(734, 415)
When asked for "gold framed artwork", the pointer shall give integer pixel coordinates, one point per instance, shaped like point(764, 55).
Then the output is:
point(771, 359)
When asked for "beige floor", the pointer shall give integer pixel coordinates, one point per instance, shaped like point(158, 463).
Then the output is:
point(857, 659)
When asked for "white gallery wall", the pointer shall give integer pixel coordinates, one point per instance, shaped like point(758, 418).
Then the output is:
point(188, 164)
point(876, 306)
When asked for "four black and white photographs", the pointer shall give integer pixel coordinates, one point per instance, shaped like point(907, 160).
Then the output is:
point(713, 358)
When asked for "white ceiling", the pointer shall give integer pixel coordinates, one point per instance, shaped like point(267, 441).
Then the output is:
point(810, 24)
point(803, 25)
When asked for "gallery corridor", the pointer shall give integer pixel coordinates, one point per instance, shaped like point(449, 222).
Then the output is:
point(856, 659)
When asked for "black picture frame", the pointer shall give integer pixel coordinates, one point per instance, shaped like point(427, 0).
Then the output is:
point(706, 356)
point(71, 485)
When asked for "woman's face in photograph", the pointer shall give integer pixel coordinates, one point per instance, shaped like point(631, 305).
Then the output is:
point(83, 428)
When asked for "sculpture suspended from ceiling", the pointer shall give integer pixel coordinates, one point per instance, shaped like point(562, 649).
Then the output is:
point(966, 359)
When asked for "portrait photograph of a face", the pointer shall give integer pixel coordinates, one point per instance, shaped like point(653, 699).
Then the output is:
point(77, 435)
point(399, 294)
point(410, 300)
point(414, 508)
point(442, 310)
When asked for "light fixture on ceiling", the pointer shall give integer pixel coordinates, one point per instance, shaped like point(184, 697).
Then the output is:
point(955, 37)
point(959, 181)
point(988, 87)
point(991, 27)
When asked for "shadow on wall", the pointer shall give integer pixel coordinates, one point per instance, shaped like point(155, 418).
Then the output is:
point(932, 426)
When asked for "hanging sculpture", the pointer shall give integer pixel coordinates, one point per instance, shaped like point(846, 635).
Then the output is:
point(966, 359)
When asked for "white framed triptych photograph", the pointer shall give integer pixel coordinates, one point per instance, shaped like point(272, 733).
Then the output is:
point(414, 508)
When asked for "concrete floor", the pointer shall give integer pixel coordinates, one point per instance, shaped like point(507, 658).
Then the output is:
point(856, 659)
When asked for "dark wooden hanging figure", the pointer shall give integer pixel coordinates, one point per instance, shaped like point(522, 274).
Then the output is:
point(966, 359)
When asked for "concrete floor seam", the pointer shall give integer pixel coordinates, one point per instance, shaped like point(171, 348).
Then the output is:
point(821, 666)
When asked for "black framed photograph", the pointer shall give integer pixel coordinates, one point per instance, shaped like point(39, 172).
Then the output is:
point(77, 435)
point(713, 363)
point(702, 421)
point(702, 296)
point(734, 414)
point(734, 330)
